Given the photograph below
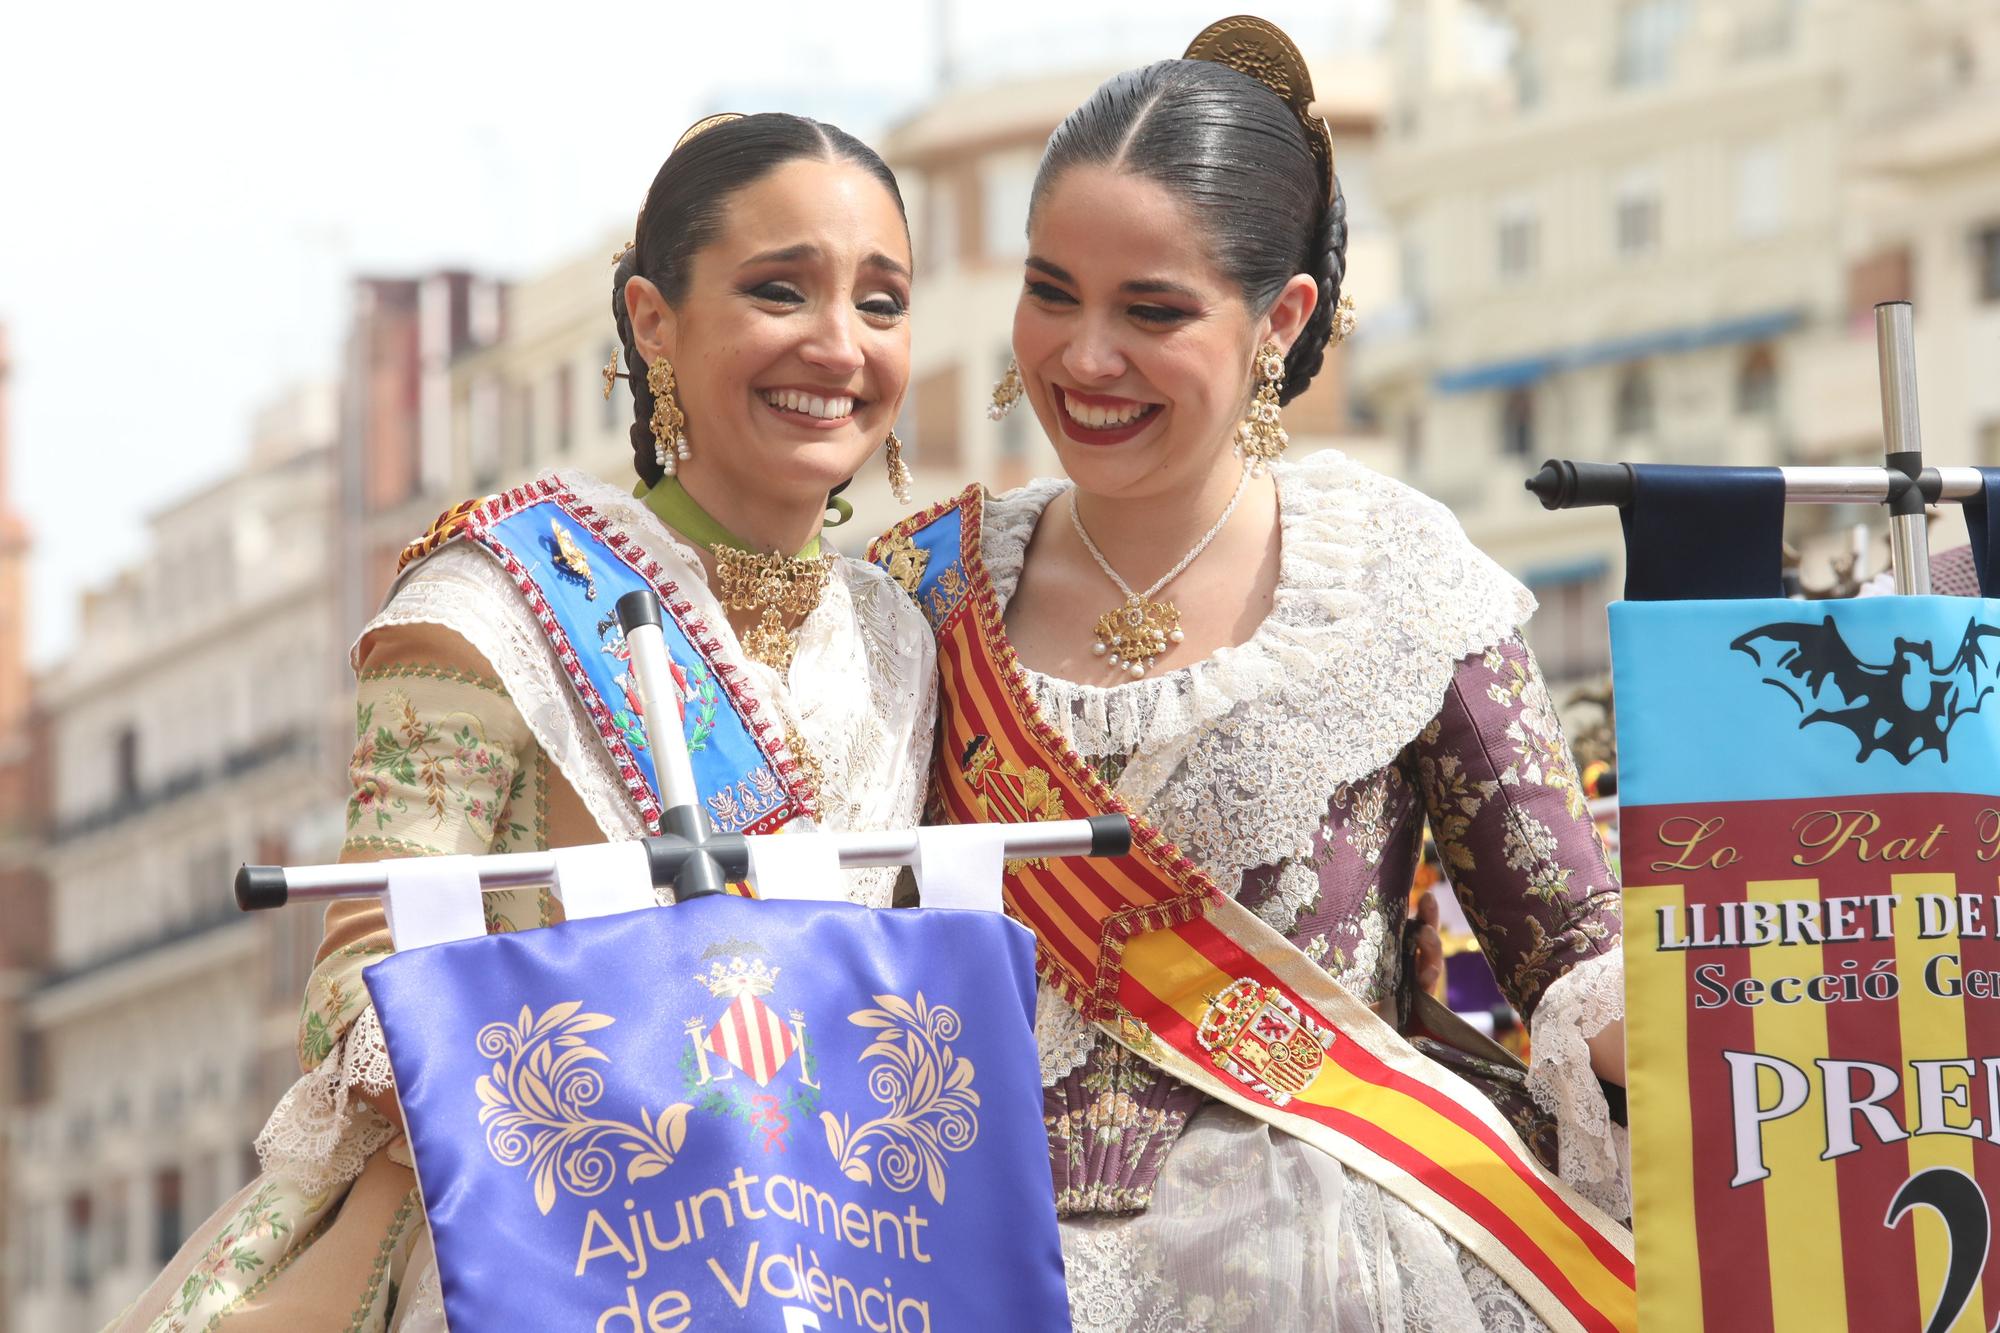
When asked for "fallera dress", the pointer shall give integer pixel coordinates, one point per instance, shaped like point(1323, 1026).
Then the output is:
point(470, 739)
point(1389, 688)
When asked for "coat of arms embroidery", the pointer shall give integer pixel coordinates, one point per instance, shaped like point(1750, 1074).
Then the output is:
point(750, 1043)
point(1256, 1034)
point(1007, 794)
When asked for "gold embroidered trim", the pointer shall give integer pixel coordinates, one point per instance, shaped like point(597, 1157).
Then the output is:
point(370, 842)
point(383, 1254)
point(432, 671)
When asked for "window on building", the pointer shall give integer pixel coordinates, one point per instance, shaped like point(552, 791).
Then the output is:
point(1636, 217)
point(126, 753)
point(1519, 241)
point(1649, 36)
point(1005, 186)
point(1764, 27)
point(1632, 412)
point(1415, 281)
point(485, 431)
point(1757, 383)
point(1568, 634)
point(30, 1224)
point(1986, 246)
point(524, 424)
point(1517, 423)
point(1760, 190)
point(1413, 443)
point(166, 1214)
point(76, 1243)
point(942, 242)
point(1525, 69)
point(565, 405)
point(116, 1220)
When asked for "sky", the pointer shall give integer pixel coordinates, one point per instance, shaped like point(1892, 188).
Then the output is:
point(185, 190)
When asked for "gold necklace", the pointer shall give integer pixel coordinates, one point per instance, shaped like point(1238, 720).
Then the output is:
point(1131, 636)
point(782, 587)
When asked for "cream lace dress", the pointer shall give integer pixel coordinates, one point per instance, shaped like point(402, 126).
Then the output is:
point(1387, 685)
point(469, 738)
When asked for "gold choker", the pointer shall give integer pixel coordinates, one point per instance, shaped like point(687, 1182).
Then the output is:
point(784, 588)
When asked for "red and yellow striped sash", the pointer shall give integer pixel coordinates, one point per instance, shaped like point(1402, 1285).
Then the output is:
point(1150, 949)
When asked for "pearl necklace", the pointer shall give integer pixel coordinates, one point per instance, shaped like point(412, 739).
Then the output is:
point(1131, 636)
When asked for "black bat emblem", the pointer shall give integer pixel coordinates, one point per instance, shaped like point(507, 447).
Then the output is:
point(1903, 708)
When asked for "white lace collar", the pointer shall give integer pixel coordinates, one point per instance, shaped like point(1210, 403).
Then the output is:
point(1379, 596)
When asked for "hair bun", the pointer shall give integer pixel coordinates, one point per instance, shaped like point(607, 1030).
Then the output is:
point(1259, 48)
point(1328, 267)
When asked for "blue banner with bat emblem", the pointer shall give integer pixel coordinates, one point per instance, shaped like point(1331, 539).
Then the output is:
point(1810, 827)
point(731, 1114)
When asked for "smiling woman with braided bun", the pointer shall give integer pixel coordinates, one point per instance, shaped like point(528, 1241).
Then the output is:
point(1284, 670)
point(763, 310)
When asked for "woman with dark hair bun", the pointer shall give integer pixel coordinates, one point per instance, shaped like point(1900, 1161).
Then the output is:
point(763, 308)
point(1283, 670)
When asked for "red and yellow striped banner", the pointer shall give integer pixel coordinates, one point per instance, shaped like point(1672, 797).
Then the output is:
point(1803, 1049)
point(1179, 972)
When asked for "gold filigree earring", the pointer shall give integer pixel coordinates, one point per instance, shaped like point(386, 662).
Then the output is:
point(669, 424)
point(1007, 392)
point(1262, 437)
point(899, 471)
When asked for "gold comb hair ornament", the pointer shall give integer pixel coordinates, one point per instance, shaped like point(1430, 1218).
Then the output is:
point(1259, 48)
point(693, 132)
point(703, 126)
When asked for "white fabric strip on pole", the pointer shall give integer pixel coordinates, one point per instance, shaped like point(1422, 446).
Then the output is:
point(804, 867)
point(433, 900)
point(603, 879)
point(959, 865)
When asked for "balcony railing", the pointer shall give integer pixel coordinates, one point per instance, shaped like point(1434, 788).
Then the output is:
point(186, 783)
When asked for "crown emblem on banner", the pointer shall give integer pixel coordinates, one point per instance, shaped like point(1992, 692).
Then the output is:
point(738, 977)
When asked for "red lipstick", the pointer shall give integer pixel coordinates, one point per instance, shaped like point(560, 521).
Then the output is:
point(1100, 435)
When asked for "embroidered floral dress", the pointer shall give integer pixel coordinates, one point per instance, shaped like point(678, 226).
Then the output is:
point(1388, 687)
point(469, 739)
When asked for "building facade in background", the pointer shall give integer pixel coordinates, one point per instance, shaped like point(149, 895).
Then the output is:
point(1654, 231)
point(202, 720)
point(24, 927)
point(396, 422)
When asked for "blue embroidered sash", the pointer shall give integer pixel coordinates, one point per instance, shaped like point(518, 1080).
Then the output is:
point(572, 565)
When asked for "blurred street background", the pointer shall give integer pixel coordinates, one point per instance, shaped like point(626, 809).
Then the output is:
point(279, 283)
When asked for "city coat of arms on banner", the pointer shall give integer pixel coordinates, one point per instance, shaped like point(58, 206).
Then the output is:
point(731, 1114)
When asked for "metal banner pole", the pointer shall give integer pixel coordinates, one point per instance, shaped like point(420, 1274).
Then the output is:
point(1902, 442)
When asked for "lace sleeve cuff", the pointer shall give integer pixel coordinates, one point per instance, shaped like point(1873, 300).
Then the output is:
point(1595, 1155)
point(321, 1135)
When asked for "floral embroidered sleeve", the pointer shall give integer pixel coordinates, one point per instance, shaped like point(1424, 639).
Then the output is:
point(1512, 829)
point(443, 764)
point(1509, 817)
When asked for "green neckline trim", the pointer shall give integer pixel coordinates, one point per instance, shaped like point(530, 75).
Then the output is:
point(673, 506)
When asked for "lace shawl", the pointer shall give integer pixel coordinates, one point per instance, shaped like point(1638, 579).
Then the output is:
point(1380, 596)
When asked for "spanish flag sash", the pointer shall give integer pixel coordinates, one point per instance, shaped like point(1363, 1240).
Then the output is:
point(1178, 972)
